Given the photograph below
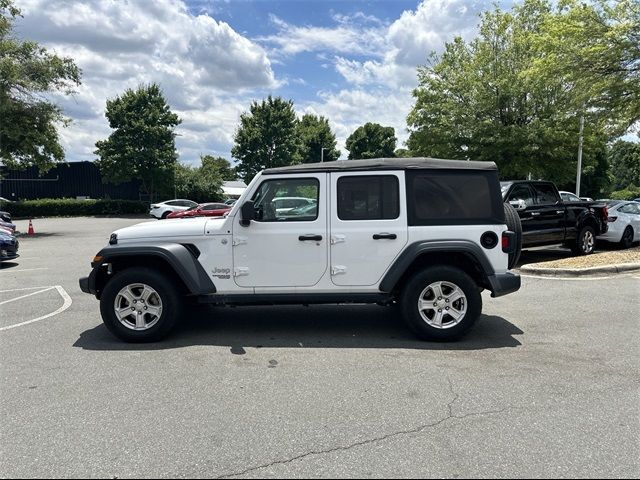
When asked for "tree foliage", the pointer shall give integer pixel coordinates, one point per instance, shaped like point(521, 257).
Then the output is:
point(266, 137)
point(494, 98)
point(371, 140)
point(28, 120)
point(203, 184)
point(220, 165)
point(314, 134)
point(142, 145)
point(594, 49)
point(624, 160)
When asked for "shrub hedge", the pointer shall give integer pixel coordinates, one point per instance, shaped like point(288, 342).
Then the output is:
point(68, 207)
point(628, 193)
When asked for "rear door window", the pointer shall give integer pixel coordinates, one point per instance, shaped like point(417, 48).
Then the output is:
point(368, 197)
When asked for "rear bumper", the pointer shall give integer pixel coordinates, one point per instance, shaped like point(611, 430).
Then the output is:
point(504, 284)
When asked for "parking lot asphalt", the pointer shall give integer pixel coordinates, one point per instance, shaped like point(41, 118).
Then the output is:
point(546, 385)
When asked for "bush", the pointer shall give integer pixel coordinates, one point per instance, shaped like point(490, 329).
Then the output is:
point(628, 193)
point(67, 207)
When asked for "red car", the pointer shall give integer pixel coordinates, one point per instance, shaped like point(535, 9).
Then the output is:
point(202, 210)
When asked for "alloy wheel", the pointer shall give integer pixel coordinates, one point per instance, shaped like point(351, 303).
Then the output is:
point(138, 306)
point(442, 305)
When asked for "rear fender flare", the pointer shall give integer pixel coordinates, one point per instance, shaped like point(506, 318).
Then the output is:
point(415, 250)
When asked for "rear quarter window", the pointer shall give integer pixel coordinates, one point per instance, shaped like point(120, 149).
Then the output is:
point(454, 197)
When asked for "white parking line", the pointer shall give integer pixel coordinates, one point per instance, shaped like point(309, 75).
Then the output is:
point(576, 279)
point(26, 288)
point(25, 269)
point(67, 303)
point(27, 295)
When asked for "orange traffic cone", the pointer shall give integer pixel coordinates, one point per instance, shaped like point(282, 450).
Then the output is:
point(31, 231)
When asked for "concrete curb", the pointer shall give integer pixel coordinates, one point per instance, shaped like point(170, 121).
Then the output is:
point(580, 272)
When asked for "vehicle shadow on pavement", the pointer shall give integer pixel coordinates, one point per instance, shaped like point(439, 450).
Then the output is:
point(304, 327)
point(8, 264)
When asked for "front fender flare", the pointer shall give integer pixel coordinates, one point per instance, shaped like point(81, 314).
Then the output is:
point(177, 256)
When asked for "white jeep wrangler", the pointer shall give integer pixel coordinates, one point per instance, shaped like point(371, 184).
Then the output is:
point(428, 235)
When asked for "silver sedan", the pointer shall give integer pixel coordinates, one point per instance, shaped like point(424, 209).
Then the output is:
point(624, 223)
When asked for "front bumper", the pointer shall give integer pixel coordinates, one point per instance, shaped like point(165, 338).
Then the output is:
point(88, 284)
point(9, 250)
point(504, 284)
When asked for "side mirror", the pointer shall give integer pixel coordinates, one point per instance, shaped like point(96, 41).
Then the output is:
point(519, 205)
point(247, 213)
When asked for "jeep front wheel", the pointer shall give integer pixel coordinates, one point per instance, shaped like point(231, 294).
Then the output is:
point(441, 303)
point(140, 305)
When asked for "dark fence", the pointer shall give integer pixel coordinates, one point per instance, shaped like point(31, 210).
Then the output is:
point(71, 180)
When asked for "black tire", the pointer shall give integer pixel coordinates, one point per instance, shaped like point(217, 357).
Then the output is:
point(416, 287)
point(585, 243)
point(627, 238)
point(165, 215)
point(167, 291)
point(513, 224)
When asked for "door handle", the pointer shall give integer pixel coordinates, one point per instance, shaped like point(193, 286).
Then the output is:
point(535, 214)
point(310, 238)
point(384, 236)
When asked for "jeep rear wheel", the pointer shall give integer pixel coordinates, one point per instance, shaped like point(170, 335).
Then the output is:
point(140, 305)
point(441, 303)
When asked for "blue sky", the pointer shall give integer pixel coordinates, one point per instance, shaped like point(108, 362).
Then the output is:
point(351, 61)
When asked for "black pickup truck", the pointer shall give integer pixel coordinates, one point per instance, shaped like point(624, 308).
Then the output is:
point(547, 220)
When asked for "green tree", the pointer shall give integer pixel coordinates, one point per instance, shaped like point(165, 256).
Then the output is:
point(372, 140)
point(200, 184)
point(479, 100)
point(28, 121)
point(624, 161)
point(314, 134)
point(593, 48)
point(142, 145)
point(220, 165)
point(266, 137)
point(403, 153)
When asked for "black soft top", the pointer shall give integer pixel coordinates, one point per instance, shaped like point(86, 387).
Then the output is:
point(383, 164)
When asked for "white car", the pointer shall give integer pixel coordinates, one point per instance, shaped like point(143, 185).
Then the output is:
point(162, 209)
point(624, 223)
point(569, 197)
point(285, 204)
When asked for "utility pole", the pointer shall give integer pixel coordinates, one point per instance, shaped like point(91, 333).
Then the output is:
point(580, 141)
point(322, 154)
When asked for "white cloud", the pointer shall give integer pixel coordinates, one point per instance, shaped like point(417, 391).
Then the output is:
point(203, 65)
point(346, 37)
point(350, 108)
point(381, 85)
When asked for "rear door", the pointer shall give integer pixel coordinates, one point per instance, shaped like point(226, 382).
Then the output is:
point(368, 227)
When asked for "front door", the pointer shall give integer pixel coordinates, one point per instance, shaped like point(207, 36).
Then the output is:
point(368, 225)
point(283, 247)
